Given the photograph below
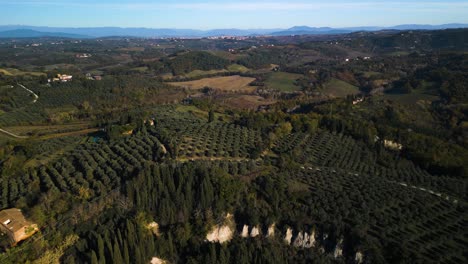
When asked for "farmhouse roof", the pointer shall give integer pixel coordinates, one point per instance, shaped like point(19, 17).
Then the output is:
point(13, 219)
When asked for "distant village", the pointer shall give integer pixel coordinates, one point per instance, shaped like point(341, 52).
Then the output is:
point(67, 78)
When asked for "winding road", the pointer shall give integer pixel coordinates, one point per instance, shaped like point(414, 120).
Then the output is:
point(11, 134)
point(31, 92)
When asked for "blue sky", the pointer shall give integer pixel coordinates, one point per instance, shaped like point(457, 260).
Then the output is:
point(210, 14)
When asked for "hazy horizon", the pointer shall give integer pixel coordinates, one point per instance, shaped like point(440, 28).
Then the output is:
point(210, 14)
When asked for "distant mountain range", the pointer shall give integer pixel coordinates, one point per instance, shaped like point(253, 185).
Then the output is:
point(28, 33)
point(18, 31)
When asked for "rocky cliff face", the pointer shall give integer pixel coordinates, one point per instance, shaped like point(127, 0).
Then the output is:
point(245, 231)
point(359, 258)
point(304, 240)
point(338, 249)
point(154, 227)
point(156, 260)
point(255, 231)
point(288, 236)
point(271, 231)
point(222, 233)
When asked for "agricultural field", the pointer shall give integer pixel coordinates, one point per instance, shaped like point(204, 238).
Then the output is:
point(237, 68)
point(329, 150)
point(251, 102)
point(43, 130)
point(198, 73)
point(388, 210)
point(339, 88)
point(16, 72)
point(234, 83)
point(216, 140)
point(283, 81)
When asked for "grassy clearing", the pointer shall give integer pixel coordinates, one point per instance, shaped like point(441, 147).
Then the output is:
point(198, 73)
point(61, 66)
point(46, 129)
point(234, 83)
point(237, 68)
point(426, 93)
point(228, 55)
point(230, 68)
point(197, 112)
point(283, 81)
point(339, 88)
point(16, 72)
point(246, 102)
point(68, 134)
point(193, 110)
point(140, 69)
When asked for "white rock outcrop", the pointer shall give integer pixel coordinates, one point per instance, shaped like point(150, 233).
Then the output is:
point(222, 233)
point(156, 260)
point(359, 258)
point(338, 249)
point(271, 231)
point(288, 236)
point(299, 241)
point(311, 241)
point(154, 227)
point(392, 145)
point(245, 231)
point(255, 231)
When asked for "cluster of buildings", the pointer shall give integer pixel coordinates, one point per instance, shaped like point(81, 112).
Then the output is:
point(229, 37)
point(83, 55)
point(61, 78)
point(67, 78)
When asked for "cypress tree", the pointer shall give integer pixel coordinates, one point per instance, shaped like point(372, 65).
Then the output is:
point(101, 254)
point(94, 259)
point(117, 256)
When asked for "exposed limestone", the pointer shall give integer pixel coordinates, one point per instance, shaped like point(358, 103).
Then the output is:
point(156, 260)
point(154, 227)
point(255, 231)
point(271, 231)
point(222, 233)
point(306, 240)
point(338, 249)
point(288, 236)
point(311, 241)
point(245, 231)
point(299, 241)
point(359, 258)
point(392, 145)
point(163, 148)
point(338, 252)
